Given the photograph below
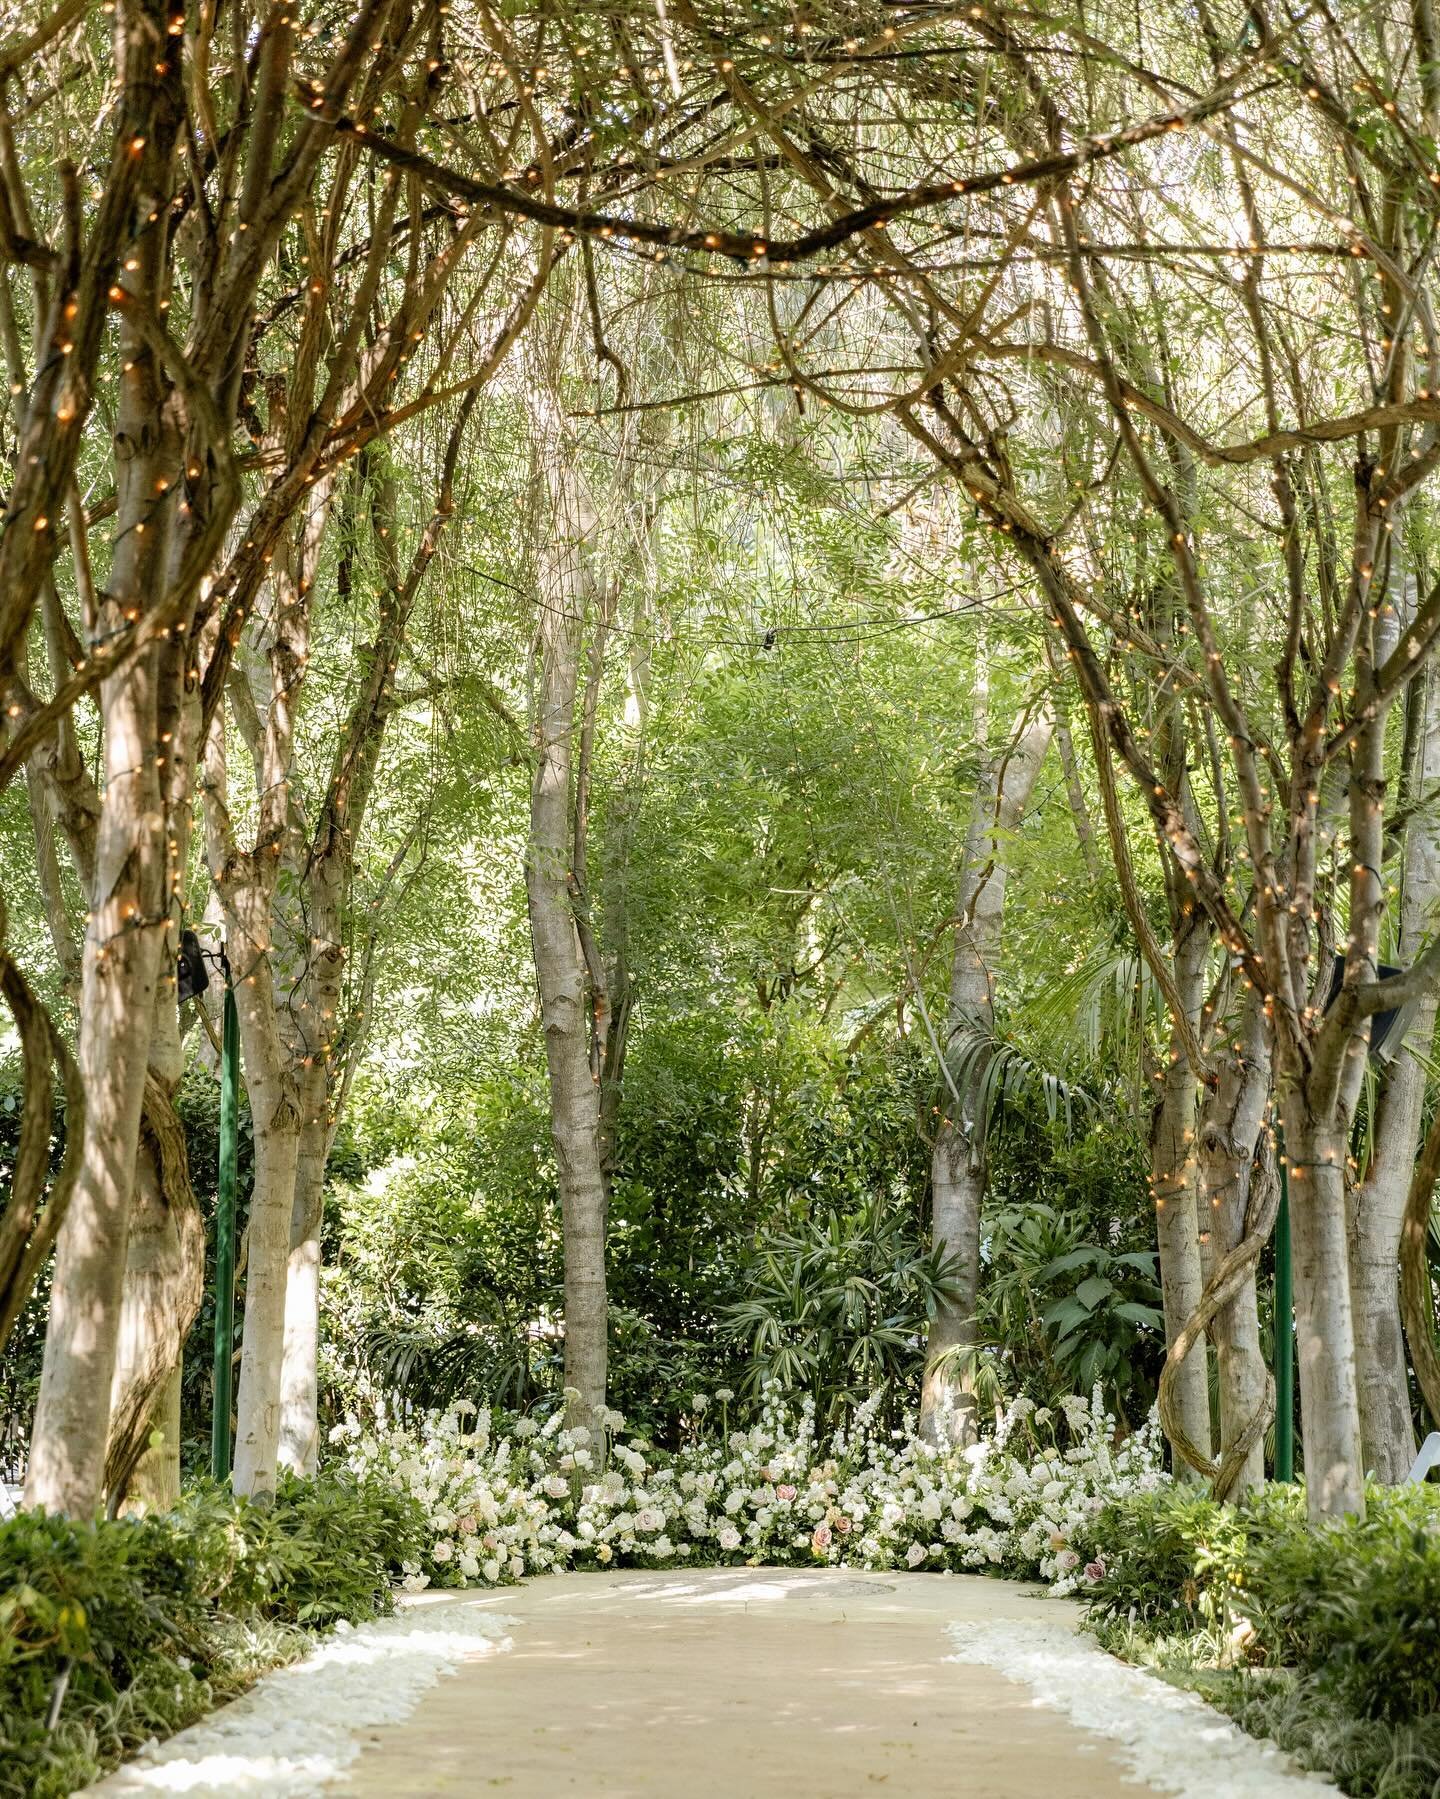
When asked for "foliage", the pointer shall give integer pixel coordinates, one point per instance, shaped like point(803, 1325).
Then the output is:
point(837, 1308)
point(1070, 1312)
point(997, 1075)
point(448, 1258)
point(1324, 1636)
point(737, 1143)
point(1365, 1757)
point(130, 1629)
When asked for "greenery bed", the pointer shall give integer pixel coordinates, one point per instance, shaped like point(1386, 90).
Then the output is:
point(1326, 1640)
point(114, 1633)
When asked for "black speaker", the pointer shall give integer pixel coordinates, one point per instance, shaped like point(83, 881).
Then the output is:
point(191, 975)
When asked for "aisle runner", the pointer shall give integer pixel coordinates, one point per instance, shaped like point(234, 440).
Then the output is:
point(1171, 1739)
point(299, 1727)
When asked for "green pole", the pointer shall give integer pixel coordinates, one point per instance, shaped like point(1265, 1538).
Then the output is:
point(1284, 1328)
point(225, 1237)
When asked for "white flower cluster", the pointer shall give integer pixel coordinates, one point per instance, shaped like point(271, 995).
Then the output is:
point(1022, 1501)
point(487, 1516)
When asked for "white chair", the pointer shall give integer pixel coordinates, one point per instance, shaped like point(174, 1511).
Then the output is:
point(1428, 1458)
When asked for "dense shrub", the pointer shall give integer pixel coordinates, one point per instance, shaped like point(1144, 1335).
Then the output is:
point(116, 1632)
point(1174, 1555)
point(1068, 1293)
point(1326, 1638)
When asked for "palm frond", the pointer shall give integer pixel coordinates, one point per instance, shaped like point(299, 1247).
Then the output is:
point(995, 1075)
point(1107, 1006)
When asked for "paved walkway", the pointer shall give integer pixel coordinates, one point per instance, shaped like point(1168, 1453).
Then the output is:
point(739, 1684)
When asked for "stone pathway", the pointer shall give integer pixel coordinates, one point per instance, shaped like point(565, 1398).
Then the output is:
point(724, 1683)
point(738, 1684)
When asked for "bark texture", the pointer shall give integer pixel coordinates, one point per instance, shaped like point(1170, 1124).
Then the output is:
point(129, 906)
point(560, 967)
point(1324, 1319)
point(160, 1297)
point(1175, 1182)
point(1232, 1168)
point(957, 1163)
point(129, 897)
point(245, 884)
point(1378, 1205)
point(299, 1445)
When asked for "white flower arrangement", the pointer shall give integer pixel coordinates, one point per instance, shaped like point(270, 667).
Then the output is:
point(1023, 1499)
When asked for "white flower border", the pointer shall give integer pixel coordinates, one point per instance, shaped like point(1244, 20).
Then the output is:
point(1168, 1738)
point(297, 1729)
point(1024, 1499)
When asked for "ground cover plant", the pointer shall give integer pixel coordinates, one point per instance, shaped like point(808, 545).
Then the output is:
point(115, 1632)
point(1322, 1638)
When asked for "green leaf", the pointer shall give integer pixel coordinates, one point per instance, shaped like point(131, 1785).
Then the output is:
point(1087, 1254)
point(1147, 1317)
point(1066, 1314)
point(1090, 1292)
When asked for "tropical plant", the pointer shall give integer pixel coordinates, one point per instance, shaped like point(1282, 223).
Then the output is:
point(838, 1307)
point(1060, 1310)
point(999, 1075)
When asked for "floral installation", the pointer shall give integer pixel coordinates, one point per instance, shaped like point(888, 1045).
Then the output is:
point(1021, 1501)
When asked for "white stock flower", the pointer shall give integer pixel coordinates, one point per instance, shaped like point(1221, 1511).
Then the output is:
point(866, 1497)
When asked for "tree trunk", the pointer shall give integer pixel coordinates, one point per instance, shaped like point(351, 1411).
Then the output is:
point(129, 906)
point(160, 1297)
point(155, 1484)
point(560, 966)
point(957, 1189)
point(1387, 1432)
point(1324, 1321)
point(1174, 1176)
point(957, 1163)
point(244, 884)
point(299, 1376)
point(129, 897)
point(1231, 1122)
point(1378, 1204)
point(275, 1118)
point(1318, 1103)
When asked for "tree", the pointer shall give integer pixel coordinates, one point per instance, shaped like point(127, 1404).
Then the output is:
point(957, 1168)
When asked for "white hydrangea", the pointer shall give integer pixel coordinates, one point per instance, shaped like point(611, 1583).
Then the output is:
point(1024, 1498)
